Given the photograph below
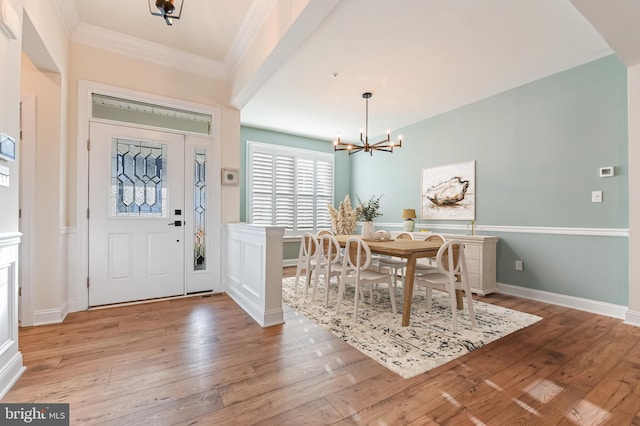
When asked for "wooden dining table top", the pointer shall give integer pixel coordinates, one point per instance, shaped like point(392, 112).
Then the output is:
point(399, 247)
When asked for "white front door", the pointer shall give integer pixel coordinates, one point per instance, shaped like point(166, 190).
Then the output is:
point(136, 213)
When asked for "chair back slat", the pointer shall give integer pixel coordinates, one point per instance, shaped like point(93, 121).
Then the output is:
point(309, 244)
point(330, 248)
point(435, 237)
point(450, 263)
point(358, 254)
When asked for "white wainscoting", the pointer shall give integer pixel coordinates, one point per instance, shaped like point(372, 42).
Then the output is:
point(252, 270)
point(11, 366)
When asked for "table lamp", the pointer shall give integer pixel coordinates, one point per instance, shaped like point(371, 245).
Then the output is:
point(408, 215)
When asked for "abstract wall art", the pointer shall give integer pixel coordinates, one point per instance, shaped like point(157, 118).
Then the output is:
point(449, 192)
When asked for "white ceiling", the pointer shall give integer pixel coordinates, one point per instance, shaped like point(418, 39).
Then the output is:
point(419, 57)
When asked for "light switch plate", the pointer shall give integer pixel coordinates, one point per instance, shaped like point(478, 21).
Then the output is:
point(4, 176)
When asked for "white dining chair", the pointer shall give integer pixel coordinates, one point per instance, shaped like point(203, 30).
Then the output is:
point(309, 260)
point(356, 269)
point(395, 264)
point(450, 275)
point(331, 265)
point(324, 232)
point(429, 264)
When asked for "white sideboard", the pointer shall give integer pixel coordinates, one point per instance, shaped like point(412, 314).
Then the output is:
point(480, 253)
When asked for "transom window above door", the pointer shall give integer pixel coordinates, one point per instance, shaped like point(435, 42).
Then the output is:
point(136, 112)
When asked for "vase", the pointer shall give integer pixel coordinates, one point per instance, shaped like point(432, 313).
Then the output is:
point(409, 225)
point(367, 230)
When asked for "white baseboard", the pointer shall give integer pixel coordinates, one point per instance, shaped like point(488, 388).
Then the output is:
point(290, 262)
point(593, 306)
point(50, 316)
point(266, 318)
point(633, 318)
point(10, 373)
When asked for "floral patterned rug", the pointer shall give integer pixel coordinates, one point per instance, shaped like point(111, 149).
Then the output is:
point(408, 351)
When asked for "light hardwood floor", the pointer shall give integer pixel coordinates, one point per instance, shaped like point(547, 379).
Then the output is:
point(202, 360)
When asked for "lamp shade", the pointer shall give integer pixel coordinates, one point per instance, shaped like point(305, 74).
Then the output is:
point(408, 214)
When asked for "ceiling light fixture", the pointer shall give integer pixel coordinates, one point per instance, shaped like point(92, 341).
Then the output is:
point(166, 9)
point(384, 145)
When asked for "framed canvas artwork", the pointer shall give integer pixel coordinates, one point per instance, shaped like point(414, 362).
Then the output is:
point(449, 192)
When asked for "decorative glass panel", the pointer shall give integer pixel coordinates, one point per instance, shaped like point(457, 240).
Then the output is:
point(138, 179)
point(199, 209)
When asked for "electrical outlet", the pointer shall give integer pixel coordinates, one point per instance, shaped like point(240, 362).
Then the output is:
point(519, 265)
point(596, 196)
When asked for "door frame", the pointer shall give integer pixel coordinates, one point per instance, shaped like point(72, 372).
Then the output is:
point(78, 247)
point(27, 183)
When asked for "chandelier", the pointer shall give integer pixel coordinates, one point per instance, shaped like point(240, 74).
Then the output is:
point(166, 9)
point(385, 145)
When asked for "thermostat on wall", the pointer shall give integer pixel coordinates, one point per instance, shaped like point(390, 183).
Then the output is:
point(7, 147)
point(606, 171)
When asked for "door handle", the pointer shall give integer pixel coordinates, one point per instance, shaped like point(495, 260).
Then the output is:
point(176, 223)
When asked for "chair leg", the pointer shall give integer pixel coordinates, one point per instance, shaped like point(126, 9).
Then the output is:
point(392, 296)
point(356, 299)
point(472, 312)
point(316, 274)
point(307, 282)
point(327, 284)
point(454, 308)
point(403, 273)
point(298, 272)
point(341, 285)
point(428, 297)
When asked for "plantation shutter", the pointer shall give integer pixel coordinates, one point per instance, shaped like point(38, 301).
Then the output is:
point(324, 193)
point(289, 187)
point(305, 185)
point(262, 181)
point(284, 193)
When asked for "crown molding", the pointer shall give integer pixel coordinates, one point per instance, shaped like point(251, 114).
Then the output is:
point(251, 26)
point(68, 14)
point(101, 38)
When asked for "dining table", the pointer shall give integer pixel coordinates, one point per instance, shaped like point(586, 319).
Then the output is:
point(411, 250)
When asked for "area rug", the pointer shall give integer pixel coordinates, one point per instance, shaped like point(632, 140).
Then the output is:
point(408, 351)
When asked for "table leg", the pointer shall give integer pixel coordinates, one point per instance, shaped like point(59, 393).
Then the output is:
point(459, 303)
point(408, 290)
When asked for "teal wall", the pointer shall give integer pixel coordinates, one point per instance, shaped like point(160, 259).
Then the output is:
point(538, 149)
